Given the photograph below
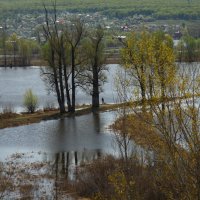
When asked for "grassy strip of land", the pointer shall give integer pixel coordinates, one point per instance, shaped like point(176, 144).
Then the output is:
point(13, 119)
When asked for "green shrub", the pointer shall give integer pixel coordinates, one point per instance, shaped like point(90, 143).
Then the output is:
point(30, 101)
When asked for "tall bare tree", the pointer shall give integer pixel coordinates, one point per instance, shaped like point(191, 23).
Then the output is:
point(93, 76)
point(55, 55)
point(74, 33)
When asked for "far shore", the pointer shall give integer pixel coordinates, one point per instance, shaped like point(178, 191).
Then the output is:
point(116, 59)
point(41, 62)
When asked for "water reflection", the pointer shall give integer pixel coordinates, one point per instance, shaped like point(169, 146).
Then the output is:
point(96, 122)
point(65, 163)
point(47, 178)
point(69, 134)
point(65, 167)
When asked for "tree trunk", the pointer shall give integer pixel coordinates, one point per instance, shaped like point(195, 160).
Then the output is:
point(56, 80)
point(66, 78)
point(62, 108)
point(143, 89)
point(150, 86)
point(163, 88)
point(95, 82)
point(163, 96)
point(14, 54)
point(143, 93)
point(5, 54)
point(67, 90)
point(4, 46)
point(73, 80)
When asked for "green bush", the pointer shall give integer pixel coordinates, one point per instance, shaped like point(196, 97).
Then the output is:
point(30, 101)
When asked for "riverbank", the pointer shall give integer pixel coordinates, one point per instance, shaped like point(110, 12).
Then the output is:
point(37, 61)
point(8, 120)
point(110, 59)
point(14, 119)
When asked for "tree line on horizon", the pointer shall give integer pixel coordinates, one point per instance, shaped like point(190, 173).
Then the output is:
point(184, 9)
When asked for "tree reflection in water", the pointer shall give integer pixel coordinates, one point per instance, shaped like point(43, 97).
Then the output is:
point(49, 178)
point(65, 167)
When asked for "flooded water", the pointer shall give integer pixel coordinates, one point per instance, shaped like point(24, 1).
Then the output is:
point(87, 132)
point(61, 144)
point(52, 150)
point(15, 81)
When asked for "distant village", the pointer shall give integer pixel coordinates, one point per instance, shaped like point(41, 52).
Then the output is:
point(30, 25)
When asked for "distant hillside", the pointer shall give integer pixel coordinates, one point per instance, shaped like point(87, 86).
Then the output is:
point(157, 9)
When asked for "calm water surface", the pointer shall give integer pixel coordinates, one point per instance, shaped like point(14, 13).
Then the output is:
point(79, 134)
point(63, 144)
point(14, 82)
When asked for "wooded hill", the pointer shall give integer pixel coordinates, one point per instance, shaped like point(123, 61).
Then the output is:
point(157, 9)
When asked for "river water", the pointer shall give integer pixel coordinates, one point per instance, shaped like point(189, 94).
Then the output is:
point(83, 134)
point(87, 133)
point(64, 143)
point(15, 81)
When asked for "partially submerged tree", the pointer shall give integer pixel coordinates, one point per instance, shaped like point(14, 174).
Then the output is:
point(4, 46)
point(175, 137)
point(13, 43)
point(150, 60)
point(74, 33)
point(18, 51)
point(179, 128)
point(188, 49)
point(74, 60)
point(54, 56)
point(92, 76)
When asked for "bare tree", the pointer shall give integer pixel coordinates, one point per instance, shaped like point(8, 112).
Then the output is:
point(75, 61)
point(55, 55)
point(92, 76)
point(74, 33)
